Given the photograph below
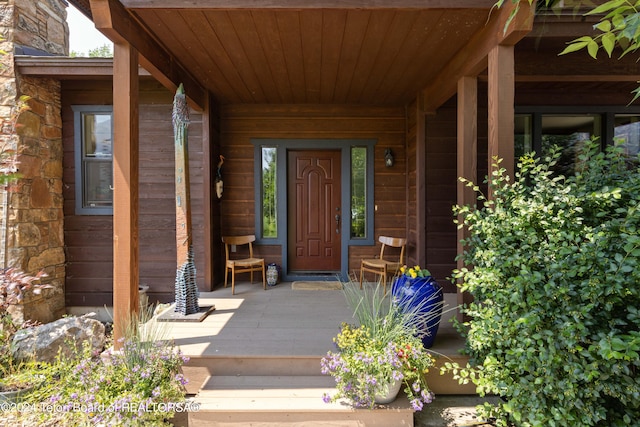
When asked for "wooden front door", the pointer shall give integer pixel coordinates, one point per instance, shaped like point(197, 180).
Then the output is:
point(315, 214)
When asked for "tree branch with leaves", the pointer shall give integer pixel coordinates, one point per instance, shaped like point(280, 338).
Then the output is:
point(618, 26)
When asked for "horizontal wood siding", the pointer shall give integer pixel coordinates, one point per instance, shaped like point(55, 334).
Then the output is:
point(240, 123)
point(89, 238)
point(441, 175)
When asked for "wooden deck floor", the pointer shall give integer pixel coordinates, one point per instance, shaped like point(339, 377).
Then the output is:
point(279, 322)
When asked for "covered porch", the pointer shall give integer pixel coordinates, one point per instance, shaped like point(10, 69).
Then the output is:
point(256, 358)
point(295, 69)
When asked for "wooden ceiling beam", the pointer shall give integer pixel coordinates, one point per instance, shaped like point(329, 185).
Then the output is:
point(595, 78)
point(471, 60)
point(307, 4)
point(113, 20)
point(65, 68)
point(548, 62)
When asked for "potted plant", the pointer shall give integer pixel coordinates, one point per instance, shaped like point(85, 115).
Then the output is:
point(414, 286)
point(380, 354)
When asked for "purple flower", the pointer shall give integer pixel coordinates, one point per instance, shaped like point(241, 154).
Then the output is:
point(416, 404)
point(326, 398)
point(181, 379)
point(427, 397)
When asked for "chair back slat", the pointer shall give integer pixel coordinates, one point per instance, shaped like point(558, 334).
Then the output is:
point(395, 242)
point(238, 241)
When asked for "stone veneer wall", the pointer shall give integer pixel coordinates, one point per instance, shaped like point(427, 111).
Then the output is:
point(32, 214)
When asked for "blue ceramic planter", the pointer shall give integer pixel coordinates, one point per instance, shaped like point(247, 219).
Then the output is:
point(412, 292)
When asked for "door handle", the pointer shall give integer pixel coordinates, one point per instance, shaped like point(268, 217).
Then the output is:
point(337, 223)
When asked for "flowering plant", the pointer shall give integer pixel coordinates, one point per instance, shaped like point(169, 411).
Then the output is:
point(140, 384)
point(414, 272)
point(134, 385)
point(383, 349)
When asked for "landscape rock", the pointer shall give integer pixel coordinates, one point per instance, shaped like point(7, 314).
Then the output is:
point(66, 336)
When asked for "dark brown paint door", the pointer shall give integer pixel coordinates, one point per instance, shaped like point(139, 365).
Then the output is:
point(315, 214)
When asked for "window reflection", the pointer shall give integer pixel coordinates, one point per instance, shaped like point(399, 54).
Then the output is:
point(269, 193)
point(97, 169)
point(358, 192)
point(627, 133)
point(523, 135)
point(569, 132)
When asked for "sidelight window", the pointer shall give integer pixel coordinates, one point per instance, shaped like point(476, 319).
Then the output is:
point(269, 193)
point(358, 192)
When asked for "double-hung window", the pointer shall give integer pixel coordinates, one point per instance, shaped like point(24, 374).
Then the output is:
point(93, 141)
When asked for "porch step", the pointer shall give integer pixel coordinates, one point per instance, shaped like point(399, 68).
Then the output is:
point(199, 370)
point(288, 401)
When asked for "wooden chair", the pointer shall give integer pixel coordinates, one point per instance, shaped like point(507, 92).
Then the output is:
point(242, 265)
point(381, 266)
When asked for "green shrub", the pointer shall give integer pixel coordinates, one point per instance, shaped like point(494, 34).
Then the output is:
point(556, 287)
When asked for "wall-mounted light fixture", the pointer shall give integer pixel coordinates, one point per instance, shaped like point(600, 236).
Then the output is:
point(388, 158)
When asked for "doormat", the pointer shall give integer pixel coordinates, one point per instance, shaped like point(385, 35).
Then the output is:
point(170, 315)
point(316, 286)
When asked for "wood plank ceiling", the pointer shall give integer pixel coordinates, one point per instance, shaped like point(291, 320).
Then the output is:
point(375, 56)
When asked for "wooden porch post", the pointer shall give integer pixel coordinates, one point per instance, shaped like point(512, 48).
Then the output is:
point(125, 188)
point(421, 187)
point(501, 107)
point(207, 165)
point(467, 158)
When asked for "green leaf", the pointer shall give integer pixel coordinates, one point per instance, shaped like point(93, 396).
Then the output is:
point(631, 48)
point(574, 46)
point(636, 91)
point(608, 43)
point(592, 48)
point(605, 7)
point(604, 26)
